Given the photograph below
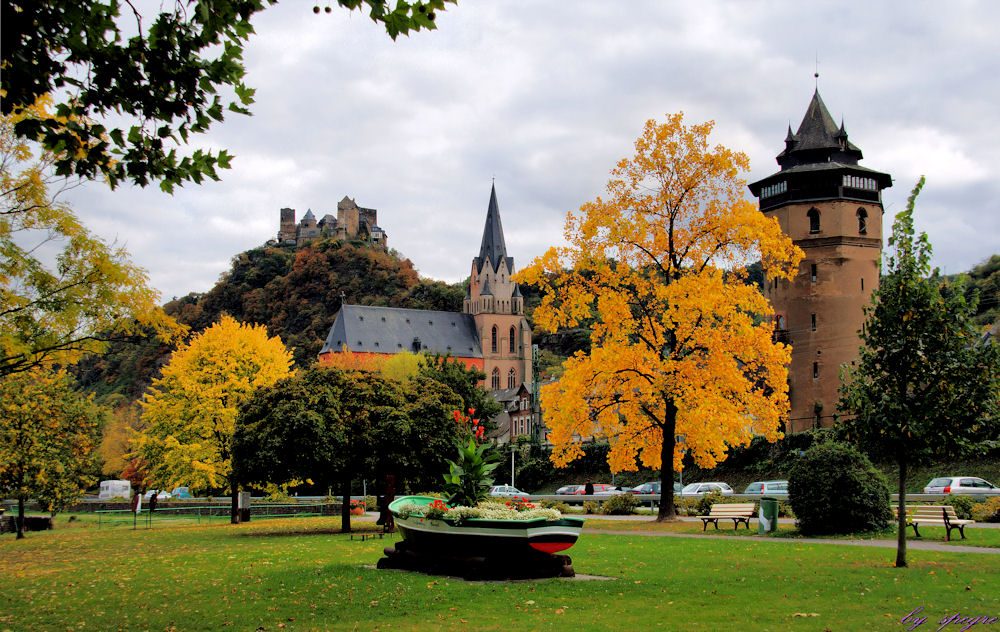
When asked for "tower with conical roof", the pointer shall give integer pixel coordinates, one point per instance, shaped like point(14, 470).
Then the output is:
point(496, 304)
point(831, 207)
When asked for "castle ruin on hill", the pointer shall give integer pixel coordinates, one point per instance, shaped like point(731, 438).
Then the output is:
point(352, 222)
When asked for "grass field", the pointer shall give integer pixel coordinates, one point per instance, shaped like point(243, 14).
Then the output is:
point(303, 574)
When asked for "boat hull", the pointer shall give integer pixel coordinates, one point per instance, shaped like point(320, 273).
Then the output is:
point(479, 547)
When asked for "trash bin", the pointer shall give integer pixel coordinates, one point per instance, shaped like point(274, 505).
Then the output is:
point(767, 516)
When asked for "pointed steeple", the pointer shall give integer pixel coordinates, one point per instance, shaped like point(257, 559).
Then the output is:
point(818, 139)
point(493, 248)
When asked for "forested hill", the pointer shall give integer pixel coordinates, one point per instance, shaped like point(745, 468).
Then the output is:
point(296, 292)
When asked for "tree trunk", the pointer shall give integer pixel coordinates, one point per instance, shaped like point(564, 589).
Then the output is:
point(20, 518)
point(345, 508)
point(234, 506)
point(667, 512)
point(901, 522)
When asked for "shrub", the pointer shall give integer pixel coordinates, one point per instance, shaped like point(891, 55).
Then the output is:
point(988, 511)
point(833, 488)
point(963, 505)
point(704, 504)
point(590, 507)
point(620, 505)
point(785, 510)
point(558, 505)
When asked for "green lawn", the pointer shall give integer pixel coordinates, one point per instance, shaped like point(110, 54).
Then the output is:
point(302, 574)
point(983, 537)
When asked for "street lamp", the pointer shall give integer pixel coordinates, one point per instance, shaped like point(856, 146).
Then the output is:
point(512, 464)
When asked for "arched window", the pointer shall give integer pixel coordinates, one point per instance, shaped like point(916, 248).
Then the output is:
point(813, 216)
point(511, 379)
point(513, 335)
point(495, 381)
point(493, 345)
point(862, 221)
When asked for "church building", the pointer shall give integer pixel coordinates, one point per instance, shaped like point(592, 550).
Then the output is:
point(491, 333)
point(831, 207)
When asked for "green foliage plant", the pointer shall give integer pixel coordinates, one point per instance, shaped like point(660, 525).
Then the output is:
point(988, 511)
point(591, 507)
point(834, 489)
point(620, 505)
point(924, 386)
point(468, 479)
point(558, 505)
point(963, 505)
point(703, 505)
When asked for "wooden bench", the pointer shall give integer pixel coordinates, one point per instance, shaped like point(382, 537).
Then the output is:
point(737, 512)
point(942, 515)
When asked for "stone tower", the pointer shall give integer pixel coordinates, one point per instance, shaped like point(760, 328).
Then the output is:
point(831, 207)
point(497, 307)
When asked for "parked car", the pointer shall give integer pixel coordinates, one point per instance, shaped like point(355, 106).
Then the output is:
point(505, 491)
point(960, 485)
point(611, 491)
point(700, 489)
point(160, 494)
point(768, 488)
point(654, 487)
point(570, 489)
point(181, 492)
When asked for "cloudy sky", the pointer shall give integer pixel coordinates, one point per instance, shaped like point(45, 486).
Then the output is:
point(546, 97)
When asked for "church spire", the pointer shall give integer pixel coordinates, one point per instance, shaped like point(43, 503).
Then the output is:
point(493, 248)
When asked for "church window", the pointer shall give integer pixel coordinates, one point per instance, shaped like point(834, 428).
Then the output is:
point(512, 337)
point(493, 345)
point(511, 379)
point(862, 221)
point(813, 216)
point(495, 381)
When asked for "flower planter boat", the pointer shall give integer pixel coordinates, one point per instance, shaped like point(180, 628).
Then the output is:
point(479, 547)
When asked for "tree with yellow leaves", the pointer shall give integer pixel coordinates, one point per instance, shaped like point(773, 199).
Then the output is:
point(48, 440)
point(53, 310)
point(190, 411)
point(680, 346)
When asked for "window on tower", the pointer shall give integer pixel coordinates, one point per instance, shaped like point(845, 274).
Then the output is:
point(812, 272)
point(513, 336)
point(511, 378)
point(495, 381)
point(813, 318)
point(493, 344)
point(813, 216)
point(862, 221)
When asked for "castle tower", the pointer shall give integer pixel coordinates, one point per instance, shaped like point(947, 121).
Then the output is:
point(831, 208)
point(497, 307)
point(286, 226)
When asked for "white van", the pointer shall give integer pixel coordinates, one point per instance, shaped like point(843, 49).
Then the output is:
point(115, 489)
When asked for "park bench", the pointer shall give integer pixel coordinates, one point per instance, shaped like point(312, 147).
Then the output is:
point(737, 512)
point(943, 515)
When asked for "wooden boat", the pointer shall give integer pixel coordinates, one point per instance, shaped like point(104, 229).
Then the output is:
point(481, 547)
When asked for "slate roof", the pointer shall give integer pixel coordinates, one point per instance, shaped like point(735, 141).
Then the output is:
point(493, 248)
point(393, 330)
point(819, 139)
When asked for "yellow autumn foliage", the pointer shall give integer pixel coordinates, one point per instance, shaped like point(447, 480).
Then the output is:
point(190, 411)
point(54, 309)
point(681, 344)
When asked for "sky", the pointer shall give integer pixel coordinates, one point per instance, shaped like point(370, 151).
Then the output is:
point(545, 98)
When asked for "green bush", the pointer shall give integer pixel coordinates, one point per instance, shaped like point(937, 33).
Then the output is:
point(963, 505)
point(558, 505)
point(704, 504)
point(988, 511)
point(591, 507)
point(833, 488)
point(620, 505)
point(785, 510)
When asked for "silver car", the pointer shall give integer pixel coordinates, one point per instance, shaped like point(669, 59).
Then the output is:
point(960, 485)
point(700, 489)
point(768, 488)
